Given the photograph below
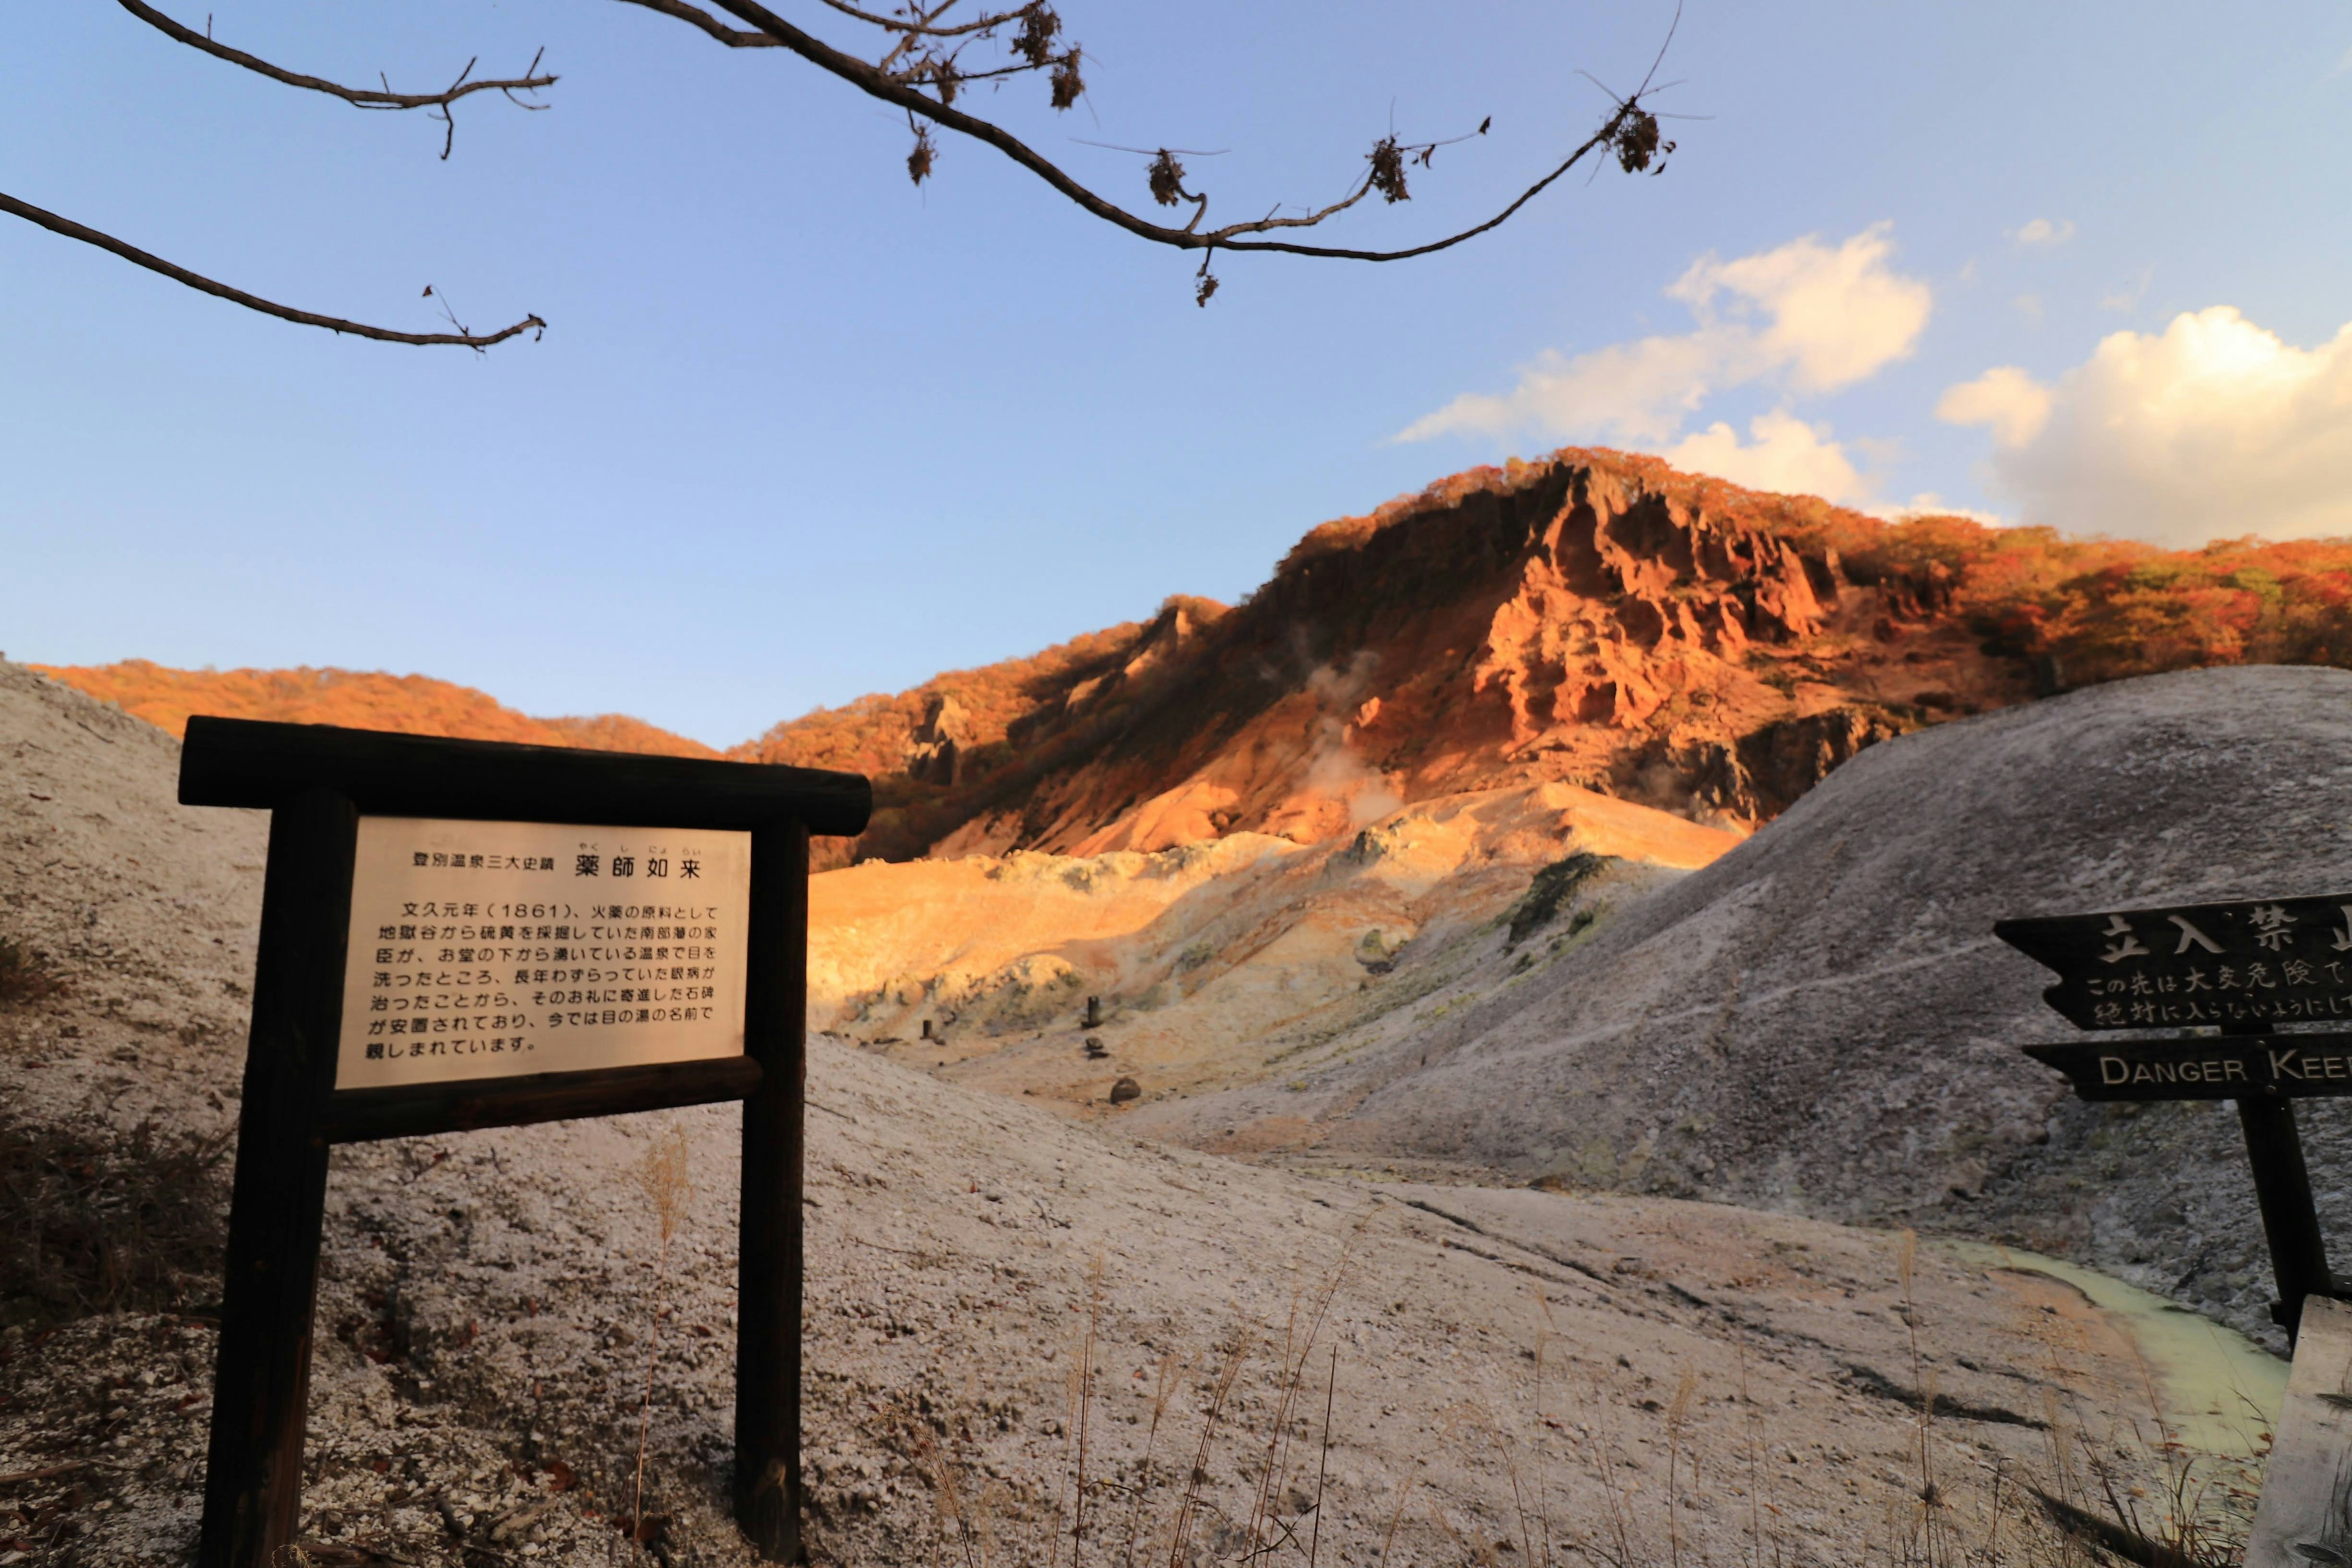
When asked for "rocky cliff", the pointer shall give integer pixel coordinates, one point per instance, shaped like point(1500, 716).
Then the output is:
point(1592, 619)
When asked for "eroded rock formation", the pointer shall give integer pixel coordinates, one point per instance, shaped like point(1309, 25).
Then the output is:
point(1593, 619)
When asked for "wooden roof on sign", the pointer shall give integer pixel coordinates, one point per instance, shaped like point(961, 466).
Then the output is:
point(247, 762)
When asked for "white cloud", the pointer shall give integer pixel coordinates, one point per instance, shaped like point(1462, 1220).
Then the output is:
point(2041, 231)
point(2012, 403)
point(1635, 391)
point(1783, 453)
point(1837, 316)
point(1812, 317)
point(2214, 427)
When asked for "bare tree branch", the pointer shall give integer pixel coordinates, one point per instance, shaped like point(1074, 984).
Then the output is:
point(137, 256)
point(695, 16)
point(924, 88)
point(770, 29)
point(364, 96)
point(922, 25)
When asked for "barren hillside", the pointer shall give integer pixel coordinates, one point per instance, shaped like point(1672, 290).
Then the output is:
point(1023, 1334)
point(1196, 967)
point(1821, 1020)
point(1591, 618)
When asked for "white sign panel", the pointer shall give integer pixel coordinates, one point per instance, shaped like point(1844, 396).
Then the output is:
point(496, 949)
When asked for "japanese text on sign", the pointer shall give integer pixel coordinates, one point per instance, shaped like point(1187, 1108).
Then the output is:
point(2267, 963)
point(494, 949)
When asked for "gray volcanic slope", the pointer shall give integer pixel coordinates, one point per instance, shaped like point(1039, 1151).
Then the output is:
point(1823, 1021)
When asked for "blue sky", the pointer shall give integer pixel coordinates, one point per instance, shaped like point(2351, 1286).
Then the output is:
point(800, 431)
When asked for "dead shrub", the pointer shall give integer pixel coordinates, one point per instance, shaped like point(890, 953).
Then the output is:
point(25, 974)
point(94, 1218)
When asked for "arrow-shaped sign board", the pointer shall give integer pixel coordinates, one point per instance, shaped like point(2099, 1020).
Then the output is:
point(2249, 971)
point(2297, 1066)
point(2240, 967)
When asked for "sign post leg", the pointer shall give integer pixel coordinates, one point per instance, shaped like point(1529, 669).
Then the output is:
point(768, 1286)
point(253, 1476)
point(2290, 1222)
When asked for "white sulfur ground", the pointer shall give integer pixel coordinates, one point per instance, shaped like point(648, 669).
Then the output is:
point(1509, 1375)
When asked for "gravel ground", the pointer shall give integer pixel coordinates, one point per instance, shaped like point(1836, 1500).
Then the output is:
point(1005, 1312)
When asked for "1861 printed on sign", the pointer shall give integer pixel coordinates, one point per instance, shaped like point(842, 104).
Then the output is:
point(492, 949)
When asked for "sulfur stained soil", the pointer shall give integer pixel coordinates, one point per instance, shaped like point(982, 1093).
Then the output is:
point(1206, 966)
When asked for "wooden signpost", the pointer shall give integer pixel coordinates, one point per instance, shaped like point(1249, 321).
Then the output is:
point(463, 935)
point(2304, 1515)
point(2269, 977)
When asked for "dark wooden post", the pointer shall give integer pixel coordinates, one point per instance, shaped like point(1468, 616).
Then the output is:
point(2282, 1192)
point(768, 1282)
point(2290, 1222)
point(253, 1476)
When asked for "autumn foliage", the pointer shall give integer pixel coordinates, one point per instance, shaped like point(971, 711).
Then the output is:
point(1590, 616)
point(2106, 609)
point(413, 704)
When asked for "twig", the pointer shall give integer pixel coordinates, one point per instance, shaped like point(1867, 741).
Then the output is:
point(1172, 1372)
point(1396, 1518)
point(1191, 1503)
point(662, 1175)
point(923, 28)
point(1085, 1408)
point(204, 285)
point(1323, 1465)
point(362, 97)
point(46, 1473)
point(770, 30)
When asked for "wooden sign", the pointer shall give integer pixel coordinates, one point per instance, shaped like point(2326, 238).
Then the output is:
point(2304, 1515)
point(455, 936)
point(2248, 970)
point(2260, 965)
point(492, 949)
point(2213, 1068)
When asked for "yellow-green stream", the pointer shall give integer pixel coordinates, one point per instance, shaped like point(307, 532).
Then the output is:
point(2219, 1389)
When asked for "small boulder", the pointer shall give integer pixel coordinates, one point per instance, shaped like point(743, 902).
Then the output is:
point(1124, 1089)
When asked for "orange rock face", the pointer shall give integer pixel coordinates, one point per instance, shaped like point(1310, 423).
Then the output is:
point(1592, 619)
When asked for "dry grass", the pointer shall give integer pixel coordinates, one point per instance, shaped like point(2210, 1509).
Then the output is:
point(2124, 1490)
point(93, 1219)
point(25, 974)
point(1160, 1513)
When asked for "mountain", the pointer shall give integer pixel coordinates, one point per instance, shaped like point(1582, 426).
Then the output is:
point(1592, 618)
point(416, 704)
